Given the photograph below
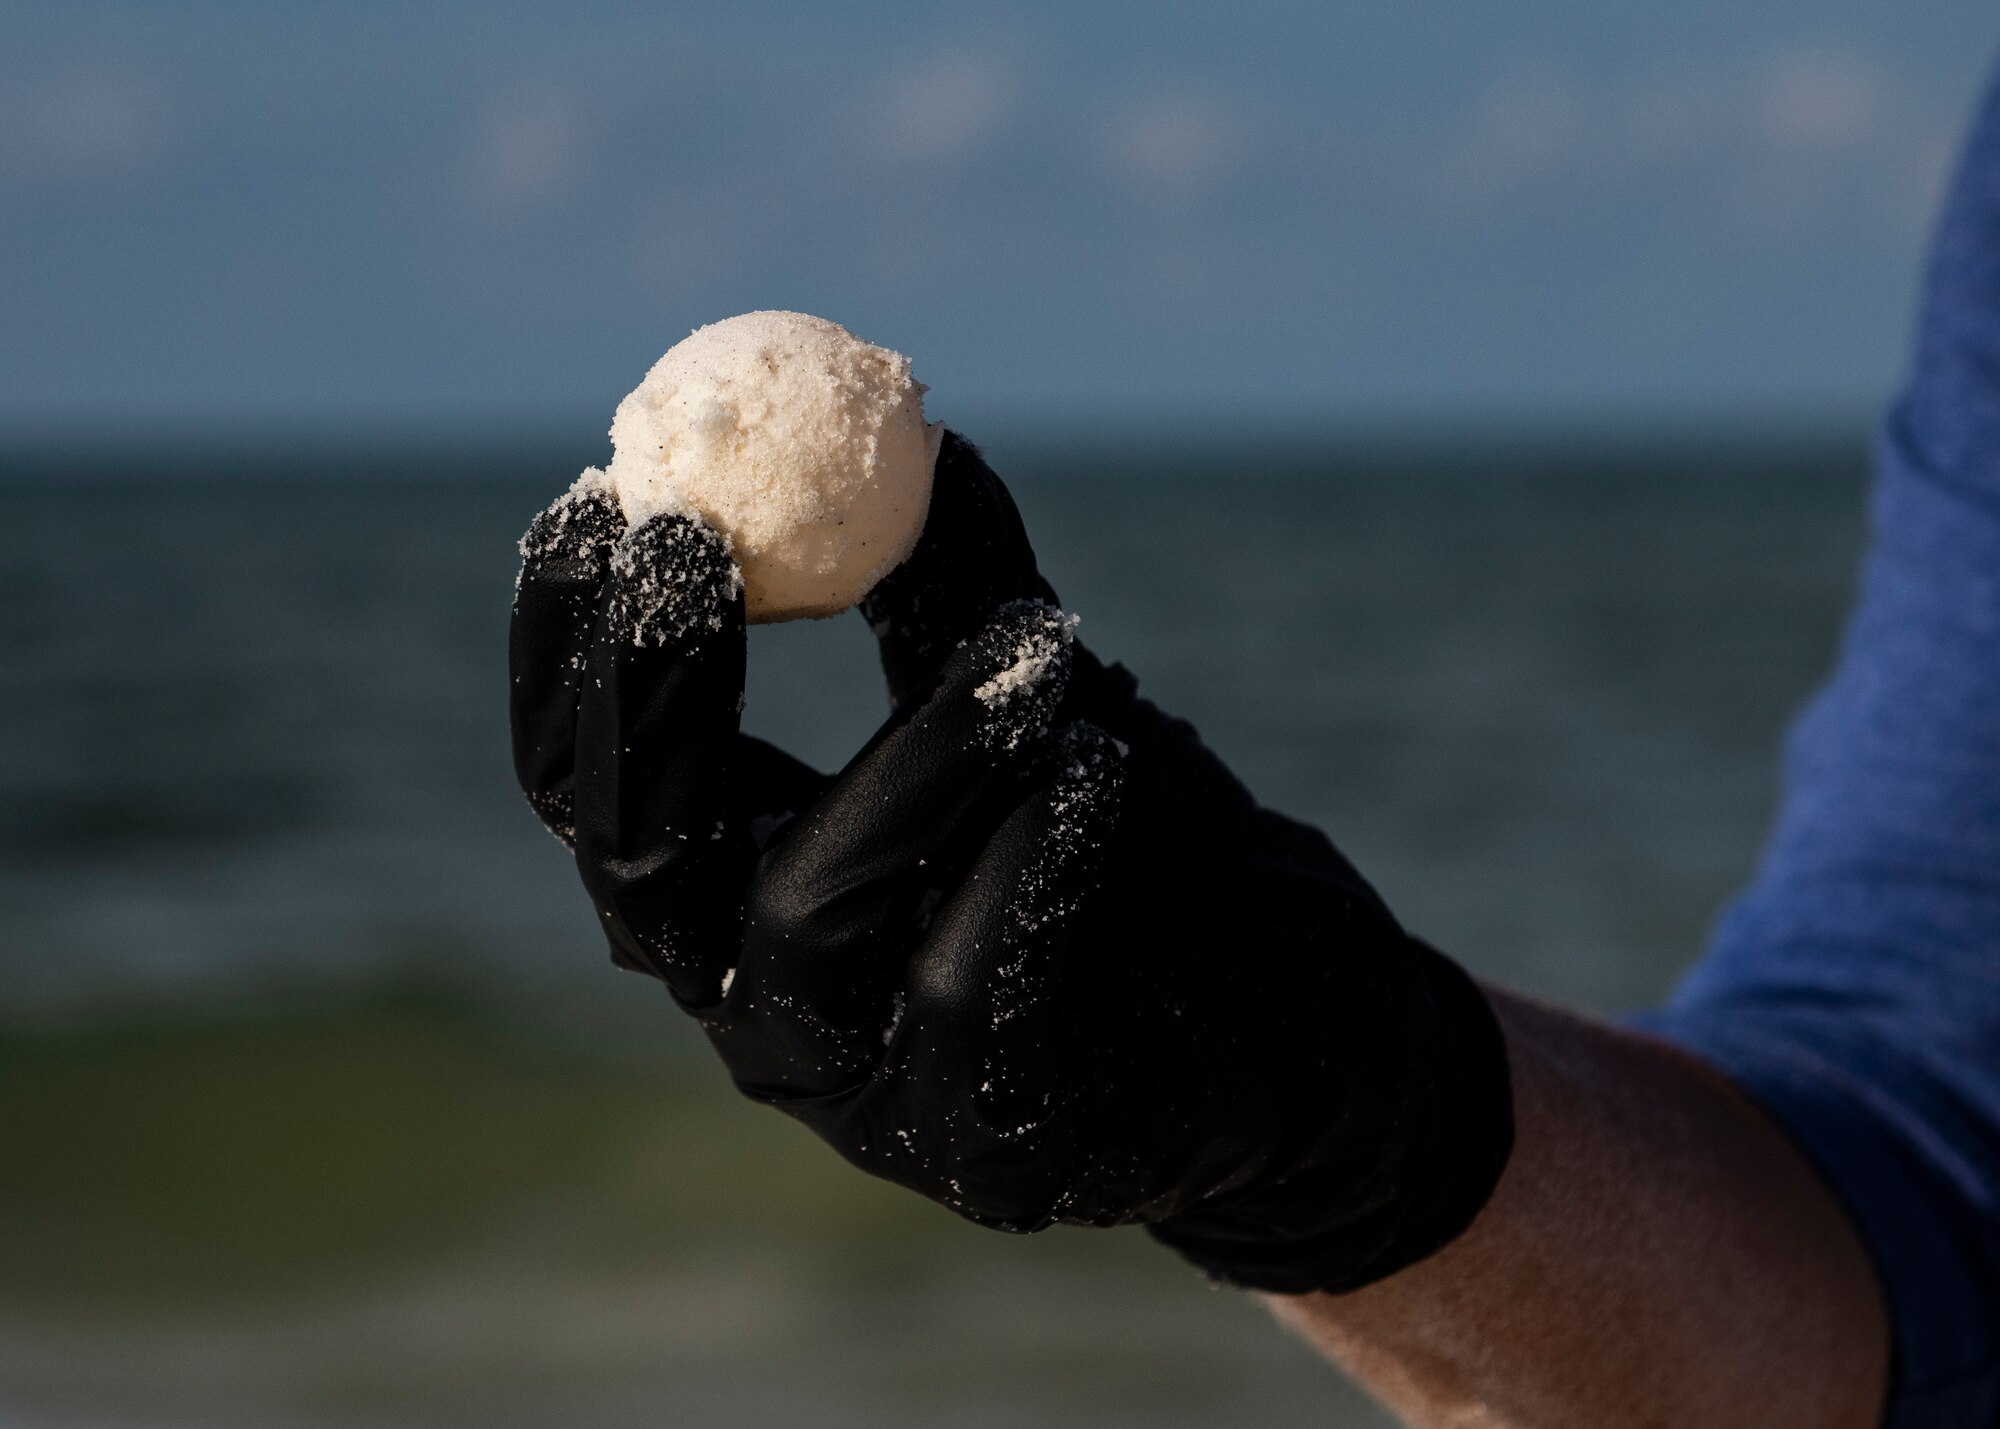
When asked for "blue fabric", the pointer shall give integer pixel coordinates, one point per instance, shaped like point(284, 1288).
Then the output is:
point(1855, 989)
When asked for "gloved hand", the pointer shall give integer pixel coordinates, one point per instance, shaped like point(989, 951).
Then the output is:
point(1034, 953)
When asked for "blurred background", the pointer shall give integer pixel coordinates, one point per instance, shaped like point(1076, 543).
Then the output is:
point(1459, 411)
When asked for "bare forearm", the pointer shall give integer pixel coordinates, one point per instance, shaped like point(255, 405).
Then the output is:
point(1656, 1255)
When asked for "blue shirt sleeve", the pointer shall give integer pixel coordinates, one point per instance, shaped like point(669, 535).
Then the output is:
point(1854, 991)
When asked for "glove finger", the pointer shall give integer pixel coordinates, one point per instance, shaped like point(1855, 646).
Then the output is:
point(564, 557)
point(972, 558)
point(656, 731)
point(974, 1104)
point(836, 904)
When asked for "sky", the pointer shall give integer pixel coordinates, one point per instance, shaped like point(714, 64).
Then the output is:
point(1316, 213)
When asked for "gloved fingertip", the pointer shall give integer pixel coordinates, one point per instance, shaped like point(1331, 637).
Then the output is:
point(972, 557)
point(673, 578)
point(1022, 659)
point(573, 538)
point(1092, 757)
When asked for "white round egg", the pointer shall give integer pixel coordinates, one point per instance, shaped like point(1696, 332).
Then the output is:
point(801, 444)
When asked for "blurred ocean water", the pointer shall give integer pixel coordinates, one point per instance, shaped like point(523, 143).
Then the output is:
point(321, 1105)
point(252, 722)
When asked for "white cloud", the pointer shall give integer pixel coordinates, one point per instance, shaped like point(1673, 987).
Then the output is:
point(943, 110)
point(1783, 136)
point(84, 124)
point(1828, 128)
point(1176, 149)
point(1821, 97)
point(1527, 124)
point(528, 150)
point(1531, 121)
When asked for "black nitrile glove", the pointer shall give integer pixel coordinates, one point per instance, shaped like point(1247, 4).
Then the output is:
point(1035, 953)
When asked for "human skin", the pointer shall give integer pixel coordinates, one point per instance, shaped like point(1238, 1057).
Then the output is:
point(1656, 1255)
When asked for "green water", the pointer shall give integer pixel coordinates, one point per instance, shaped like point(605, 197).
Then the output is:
point(397, 1212)
point(320, 1105)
